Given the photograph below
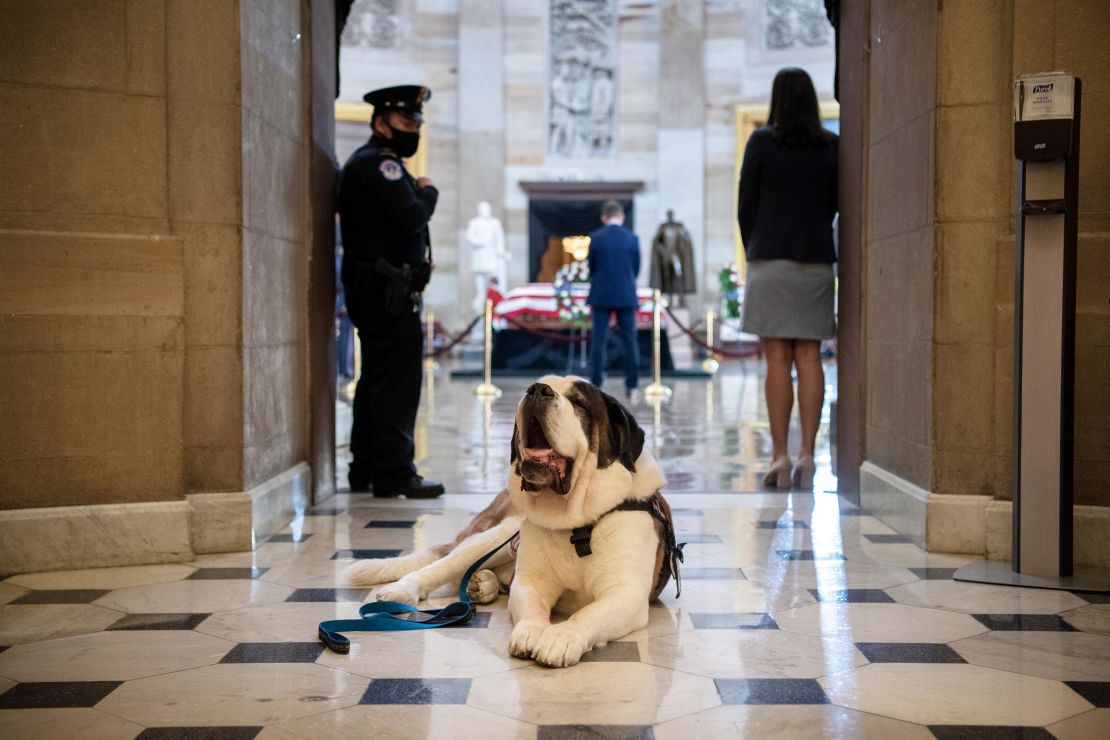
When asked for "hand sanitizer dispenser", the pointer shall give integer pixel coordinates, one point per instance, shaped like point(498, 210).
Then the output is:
point(1046, 144)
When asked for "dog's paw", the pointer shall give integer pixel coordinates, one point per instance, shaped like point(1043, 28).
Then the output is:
point(560, 645)
point(405, 591)
point(524, 637)
point(483, 587)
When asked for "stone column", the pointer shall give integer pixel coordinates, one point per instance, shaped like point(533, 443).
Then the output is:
point(153, 253)
point(681, 135)
point(481, 173)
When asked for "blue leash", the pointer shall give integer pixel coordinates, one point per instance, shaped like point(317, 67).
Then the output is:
point(384, 616)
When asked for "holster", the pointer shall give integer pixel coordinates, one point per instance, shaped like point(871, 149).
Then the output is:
point(398, 298)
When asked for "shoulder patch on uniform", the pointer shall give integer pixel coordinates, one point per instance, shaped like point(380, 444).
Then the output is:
point(390, 169)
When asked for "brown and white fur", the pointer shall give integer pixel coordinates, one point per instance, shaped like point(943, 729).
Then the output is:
point(577, 453)
point(416, 575)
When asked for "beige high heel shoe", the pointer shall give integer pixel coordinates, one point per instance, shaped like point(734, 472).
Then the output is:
point(803, 473)
point(779, 474)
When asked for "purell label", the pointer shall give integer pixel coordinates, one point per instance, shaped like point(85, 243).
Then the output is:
point(1039, 97)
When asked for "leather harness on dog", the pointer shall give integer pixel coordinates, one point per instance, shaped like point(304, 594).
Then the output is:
point(672, 556)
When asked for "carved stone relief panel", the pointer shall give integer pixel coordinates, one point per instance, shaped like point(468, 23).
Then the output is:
point(374, 24)
point(582, 83)
point(788, 24)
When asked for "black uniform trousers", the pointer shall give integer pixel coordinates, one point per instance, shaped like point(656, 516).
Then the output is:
point(386, 400)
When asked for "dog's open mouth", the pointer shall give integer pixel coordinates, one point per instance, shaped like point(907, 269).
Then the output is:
point(542, 467)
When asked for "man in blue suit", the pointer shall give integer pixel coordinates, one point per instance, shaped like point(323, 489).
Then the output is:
point(614, 264)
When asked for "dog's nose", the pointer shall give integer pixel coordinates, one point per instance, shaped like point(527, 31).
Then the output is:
point(541, 389)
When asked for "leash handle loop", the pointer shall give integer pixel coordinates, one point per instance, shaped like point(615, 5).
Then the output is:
point(386, 616)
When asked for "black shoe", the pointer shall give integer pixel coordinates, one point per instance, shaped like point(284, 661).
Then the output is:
point(358, 484)
point(414, 487)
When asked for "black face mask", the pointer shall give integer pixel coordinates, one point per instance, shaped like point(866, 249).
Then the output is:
point(404, 142)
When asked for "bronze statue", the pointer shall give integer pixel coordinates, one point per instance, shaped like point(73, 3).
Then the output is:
point(672, 259)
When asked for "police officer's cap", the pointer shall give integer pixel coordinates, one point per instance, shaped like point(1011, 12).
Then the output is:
point(405, 99)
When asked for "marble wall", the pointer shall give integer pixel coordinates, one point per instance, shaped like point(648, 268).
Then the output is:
point(939, 254)
point(1073, 35)
point(899, 262)
point(153, 259)
point(92, 282)
point(682, 67)
point(275, 214)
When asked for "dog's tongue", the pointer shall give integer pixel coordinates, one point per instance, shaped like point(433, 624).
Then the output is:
point(547, 457)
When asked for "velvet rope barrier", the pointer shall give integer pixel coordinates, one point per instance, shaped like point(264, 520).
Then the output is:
point(455, 340)
point(545, 334)
point(702, 343)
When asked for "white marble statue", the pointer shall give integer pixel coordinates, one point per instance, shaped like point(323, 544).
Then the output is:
point(488, 256)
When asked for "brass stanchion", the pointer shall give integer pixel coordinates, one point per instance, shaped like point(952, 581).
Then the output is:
point(353, 383)
point(429, 340)
point(487, 389)
point(656, 391)
point(710, 364)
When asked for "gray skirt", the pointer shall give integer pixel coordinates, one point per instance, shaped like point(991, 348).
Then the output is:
point(789, 300)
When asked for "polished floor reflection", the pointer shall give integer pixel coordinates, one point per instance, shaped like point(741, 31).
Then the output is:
point(801, 616)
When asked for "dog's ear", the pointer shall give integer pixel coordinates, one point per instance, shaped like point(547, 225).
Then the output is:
point(514, 446)
point(624, 436)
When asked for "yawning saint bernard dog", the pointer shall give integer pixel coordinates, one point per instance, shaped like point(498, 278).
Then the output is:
point(596, 536)
point(597, 541)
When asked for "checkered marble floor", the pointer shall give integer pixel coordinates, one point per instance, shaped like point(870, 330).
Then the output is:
point(801, 616)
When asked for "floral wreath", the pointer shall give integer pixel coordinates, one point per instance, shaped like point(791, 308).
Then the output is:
point(729, 278)
point(569, 311)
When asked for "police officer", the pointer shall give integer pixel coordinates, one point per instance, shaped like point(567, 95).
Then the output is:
point(384, 213)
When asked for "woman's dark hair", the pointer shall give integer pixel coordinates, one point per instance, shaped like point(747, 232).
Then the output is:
point(794, 113)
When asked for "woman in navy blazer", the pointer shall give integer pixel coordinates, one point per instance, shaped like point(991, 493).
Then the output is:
point(614, 261)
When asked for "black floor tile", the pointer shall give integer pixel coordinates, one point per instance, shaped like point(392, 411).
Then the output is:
point(226, 574)
point(808, 555)
point(68, 596)
point(1024, 622)
point(365, 554)
point(595, 732)
point(988, 732)
point(1096, 692)
point(383, 524)
point(4, 647)
point(325, 512)
point(852, 595)
point(712, 574)
point(329, 594)
point(288, 537)
point(1093, 598)
point(274, 652)
point(478, 620)
point(770, 691)
point(888, 539)
point(239, 732)
point(614, 652)
point(692, 538)
point(737, 621)
point(933, 574)
point(781, 525)
point(417, 691)
point(909, 652)
point(158, 622)
point(56, 694)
